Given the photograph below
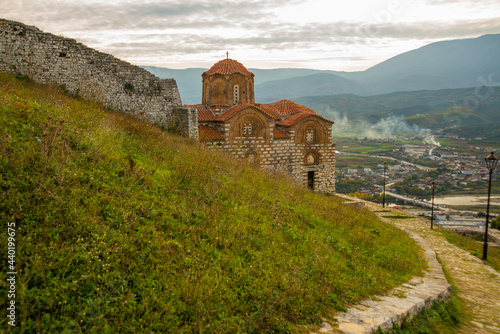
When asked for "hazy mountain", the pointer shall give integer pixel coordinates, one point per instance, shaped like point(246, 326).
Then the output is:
point(435, 109)
point(295, 87)
point(448, 64)
point(188, 81)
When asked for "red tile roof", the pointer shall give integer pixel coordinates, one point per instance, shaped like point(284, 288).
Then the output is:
point(294, 119)
point(286, 112)
point(209, 133)
point(287, 107)
point(278, 134)
point(237, 108)
point(204, 114)
point(267, 109)
point(228, 66)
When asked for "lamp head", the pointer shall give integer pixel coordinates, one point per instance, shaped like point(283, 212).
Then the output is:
point(491, 161)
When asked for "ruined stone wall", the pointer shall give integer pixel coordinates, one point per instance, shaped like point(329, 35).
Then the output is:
point(185, 121)
point(46, 58)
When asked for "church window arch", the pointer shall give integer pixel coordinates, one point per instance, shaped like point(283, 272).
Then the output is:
point(309, 135)
point(236, 94)
point(310, 159)
point(247, 128)
point(252, 157)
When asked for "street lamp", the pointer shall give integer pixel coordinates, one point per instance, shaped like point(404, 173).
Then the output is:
point(491, 163)
point(433, 185)
point(383, 194)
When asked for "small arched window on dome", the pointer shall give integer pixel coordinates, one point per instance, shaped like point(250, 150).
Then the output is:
point(309, 136)
point(236, 91)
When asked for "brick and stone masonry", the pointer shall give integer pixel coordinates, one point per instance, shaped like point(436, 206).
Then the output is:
point(279, 136)
point(275, 136)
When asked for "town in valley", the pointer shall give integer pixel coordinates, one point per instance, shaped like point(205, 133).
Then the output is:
point(456, 165)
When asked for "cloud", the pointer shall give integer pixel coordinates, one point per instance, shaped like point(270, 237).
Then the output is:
point(340, 33)
point(132, 29)
point(145, 15)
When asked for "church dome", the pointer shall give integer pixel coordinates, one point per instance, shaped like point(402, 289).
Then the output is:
point(228, 67)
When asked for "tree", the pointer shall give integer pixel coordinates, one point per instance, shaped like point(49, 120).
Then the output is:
point(495, 223)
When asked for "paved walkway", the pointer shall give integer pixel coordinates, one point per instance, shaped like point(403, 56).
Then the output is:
point(478, 285)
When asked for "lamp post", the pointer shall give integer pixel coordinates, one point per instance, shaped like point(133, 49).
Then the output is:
point(491, 162)
point(383, 193)
point(433, 184)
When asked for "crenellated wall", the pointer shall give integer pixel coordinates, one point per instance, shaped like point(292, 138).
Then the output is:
point(43, 57)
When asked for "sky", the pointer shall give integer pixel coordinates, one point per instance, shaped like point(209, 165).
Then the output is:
point(350, 35)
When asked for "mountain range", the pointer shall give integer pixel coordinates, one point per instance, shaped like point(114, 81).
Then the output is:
point(430, 79)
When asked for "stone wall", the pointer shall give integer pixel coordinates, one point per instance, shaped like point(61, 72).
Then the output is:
point(43, 57)
point(283, 155)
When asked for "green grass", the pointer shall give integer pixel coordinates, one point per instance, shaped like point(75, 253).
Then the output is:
point(475, 248)
point(441, 318)
point(345, 162)
point(122, 227)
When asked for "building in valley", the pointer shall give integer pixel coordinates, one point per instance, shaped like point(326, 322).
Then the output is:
point(276, 136)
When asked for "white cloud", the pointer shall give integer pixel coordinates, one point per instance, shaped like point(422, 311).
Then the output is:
point(313, 33)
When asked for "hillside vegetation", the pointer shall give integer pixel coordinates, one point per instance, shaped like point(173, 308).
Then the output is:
point(124, 228)
point(433, 109)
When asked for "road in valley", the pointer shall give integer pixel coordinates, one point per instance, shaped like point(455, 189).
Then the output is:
point(387, 158)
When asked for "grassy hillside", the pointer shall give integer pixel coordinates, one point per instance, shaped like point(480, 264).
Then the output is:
point(124, 228)
point(445, 118)
point(489, 132)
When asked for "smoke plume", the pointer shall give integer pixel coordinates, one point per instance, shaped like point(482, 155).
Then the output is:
point(390, 127)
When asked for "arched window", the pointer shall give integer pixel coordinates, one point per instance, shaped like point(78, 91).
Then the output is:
point(247, 128)
point(310, 160)
point(309, 136)
point(236, 94)
point(252, 158)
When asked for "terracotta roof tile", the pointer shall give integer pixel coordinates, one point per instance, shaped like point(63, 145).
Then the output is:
point(228, 66)
point(278, 134)
point(293, 119)
point(296, 118)
point(287, 107)
point(237, 108)
point(204, 114)
point(209, 133)
point(268, 109)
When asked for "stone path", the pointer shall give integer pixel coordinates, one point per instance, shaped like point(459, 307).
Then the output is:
point(478, 285)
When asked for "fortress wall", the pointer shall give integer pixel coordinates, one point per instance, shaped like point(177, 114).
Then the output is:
point(43, 57)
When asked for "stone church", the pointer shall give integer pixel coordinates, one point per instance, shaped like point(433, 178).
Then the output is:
point(276, 136)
